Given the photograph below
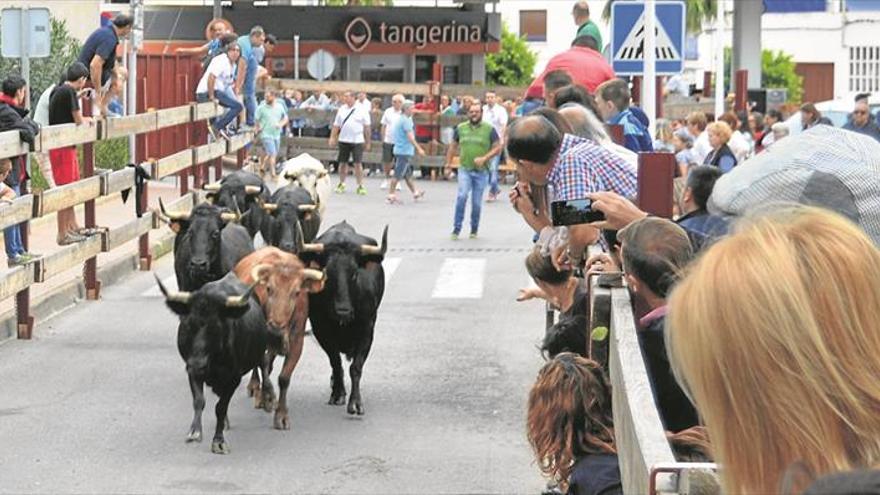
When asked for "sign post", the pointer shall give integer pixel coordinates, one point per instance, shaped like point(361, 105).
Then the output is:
point(629, 36)
point(649, 92)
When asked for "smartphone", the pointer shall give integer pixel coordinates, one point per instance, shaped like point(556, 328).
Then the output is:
point(573, 212)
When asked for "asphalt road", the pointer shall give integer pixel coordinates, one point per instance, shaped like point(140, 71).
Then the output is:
point(98, 401)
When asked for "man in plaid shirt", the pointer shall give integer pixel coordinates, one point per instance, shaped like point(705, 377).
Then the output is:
point(573, 167)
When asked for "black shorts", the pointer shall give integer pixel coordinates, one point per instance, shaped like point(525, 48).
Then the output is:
point(355, 151)
point(387, 152)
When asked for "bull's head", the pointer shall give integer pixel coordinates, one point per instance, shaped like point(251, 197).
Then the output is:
point(344, 264)
point(285, 230)
point(201, 230)
point(281, 281)
point(230, 193)
point(204, 315)
point(308, 180)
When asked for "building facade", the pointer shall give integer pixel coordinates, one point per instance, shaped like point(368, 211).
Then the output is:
point(393, 44)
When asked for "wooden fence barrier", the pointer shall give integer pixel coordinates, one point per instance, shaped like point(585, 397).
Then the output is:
point(17, 281)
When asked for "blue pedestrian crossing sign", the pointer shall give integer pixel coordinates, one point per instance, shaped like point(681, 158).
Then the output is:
point(628, 37)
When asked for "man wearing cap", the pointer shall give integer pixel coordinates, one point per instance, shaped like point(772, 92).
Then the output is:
point(405, 146)
point(99, 55)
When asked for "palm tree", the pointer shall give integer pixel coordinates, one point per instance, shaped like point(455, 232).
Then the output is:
point(696, 11)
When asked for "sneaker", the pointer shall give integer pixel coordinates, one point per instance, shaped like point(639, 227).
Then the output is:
point(340, 189)
point(418, 195)
point(454, 236)
point(246, 128)
point(361, 191)
point(21, 259)
point(384, 184)
point(398, 187)
point(225, 134)
point(473, 235)
point(391, 199)
point(71, 238)
point(491, 198)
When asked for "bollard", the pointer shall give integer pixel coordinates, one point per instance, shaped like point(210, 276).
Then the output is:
point(741, 101)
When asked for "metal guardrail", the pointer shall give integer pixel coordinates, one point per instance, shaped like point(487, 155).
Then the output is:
point(17, 281)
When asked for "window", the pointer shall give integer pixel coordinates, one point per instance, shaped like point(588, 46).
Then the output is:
point(533, 25)
point(864, 68)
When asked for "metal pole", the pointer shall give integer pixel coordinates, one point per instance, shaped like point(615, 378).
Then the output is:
point(719, 60)
point(296, 56)
point(649, 82)
point(25, 55)
point(218, 9)
point(131, 85)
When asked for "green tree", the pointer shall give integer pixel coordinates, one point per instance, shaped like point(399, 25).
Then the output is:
point(696, 11)
point(777, 71)
point(513, 64)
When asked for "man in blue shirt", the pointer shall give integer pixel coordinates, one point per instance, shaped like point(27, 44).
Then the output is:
point(99, 55)
point(613, 98)
point(405, 146)
point(246, 80)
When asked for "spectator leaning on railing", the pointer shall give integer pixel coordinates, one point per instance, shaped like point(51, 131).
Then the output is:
point(99, 55)
point(654, 252)
point(573, 166)
point(216, 84)
point(774, 334)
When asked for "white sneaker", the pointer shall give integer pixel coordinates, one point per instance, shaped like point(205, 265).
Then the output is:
point(398, 187)
point(384, 184)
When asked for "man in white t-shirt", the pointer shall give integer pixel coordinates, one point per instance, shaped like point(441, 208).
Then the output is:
point(363, 102)
point(351, 130)
point(389, 118)
point(495, 114)
point(696, 125)
point(216, 83)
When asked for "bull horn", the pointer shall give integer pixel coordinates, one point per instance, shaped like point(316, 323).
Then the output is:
point(180, 297)
point(377, 250)
point(172, 216)
point(312, 274)
point(255, 271)
point(300, 238)
point(307, 207)
point(242, 300)
point(269, 206)
point(211, 187)
point(230, 217)
point(250, 190)
point(312, 248)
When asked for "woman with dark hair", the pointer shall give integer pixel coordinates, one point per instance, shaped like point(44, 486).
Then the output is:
point(811, 116)
point(570, 426)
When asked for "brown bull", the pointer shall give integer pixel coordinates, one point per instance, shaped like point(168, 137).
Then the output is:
point(284, 284)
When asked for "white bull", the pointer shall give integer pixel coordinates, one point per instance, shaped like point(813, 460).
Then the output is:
point(309, 173)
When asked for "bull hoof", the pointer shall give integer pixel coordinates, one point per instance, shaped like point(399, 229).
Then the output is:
point(220, 447)
point(253, 388)
point(337, 400)
point(258, 399)
point(268, 401)
point(194, 436)
point(282, 421)
point(355, 407)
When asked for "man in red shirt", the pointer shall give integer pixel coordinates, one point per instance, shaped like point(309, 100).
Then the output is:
point(583, 62)
point(424, 133)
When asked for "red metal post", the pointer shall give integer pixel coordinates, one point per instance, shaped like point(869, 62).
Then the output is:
point(656, 171)
point(741, 102)
point(707, 84)
point(90, 270)
point(658, 98)
point(145, 257)
point(24, 319)
point(636, 92)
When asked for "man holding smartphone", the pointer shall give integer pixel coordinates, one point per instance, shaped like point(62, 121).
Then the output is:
point(477, 143)
point(574, 167)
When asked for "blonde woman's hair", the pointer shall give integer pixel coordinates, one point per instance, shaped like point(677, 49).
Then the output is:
point(722, 129)
point(774, 334)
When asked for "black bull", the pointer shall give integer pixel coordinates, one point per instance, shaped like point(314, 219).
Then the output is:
point(244, 190)
point(291, 205)
point(207, 246)
point(222, 335)
point(343, 315)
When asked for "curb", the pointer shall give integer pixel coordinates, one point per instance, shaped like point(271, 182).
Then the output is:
point(73, 292)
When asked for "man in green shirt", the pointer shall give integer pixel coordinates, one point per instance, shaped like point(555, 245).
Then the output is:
point(476, 142)
point(271, 117)
point(581, 14)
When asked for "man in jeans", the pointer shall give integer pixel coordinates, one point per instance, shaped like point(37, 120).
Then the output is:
point(248, 66)
point(216, 84)
point(351, 130)
point(389, 119)
point(479, 143)
point(496, 115)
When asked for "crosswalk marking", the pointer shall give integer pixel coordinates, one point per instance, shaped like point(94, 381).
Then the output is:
point(390, 265)
point(170, 283)
point(460, 278)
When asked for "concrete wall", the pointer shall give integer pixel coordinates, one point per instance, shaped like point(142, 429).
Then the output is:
point(82, 16)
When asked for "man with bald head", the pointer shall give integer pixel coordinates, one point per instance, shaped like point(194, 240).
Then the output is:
point(573, 166)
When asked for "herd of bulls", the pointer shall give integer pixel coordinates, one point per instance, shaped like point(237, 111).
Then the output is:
point(239, 307)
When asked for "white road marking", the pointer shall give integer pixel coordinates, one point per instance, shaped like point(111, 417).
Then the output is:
point(169, 282)
point(390, 266)
point(460, 278)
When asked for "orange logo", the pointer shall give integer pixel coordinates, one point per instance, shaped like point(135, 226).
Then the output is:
point(358, 34)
